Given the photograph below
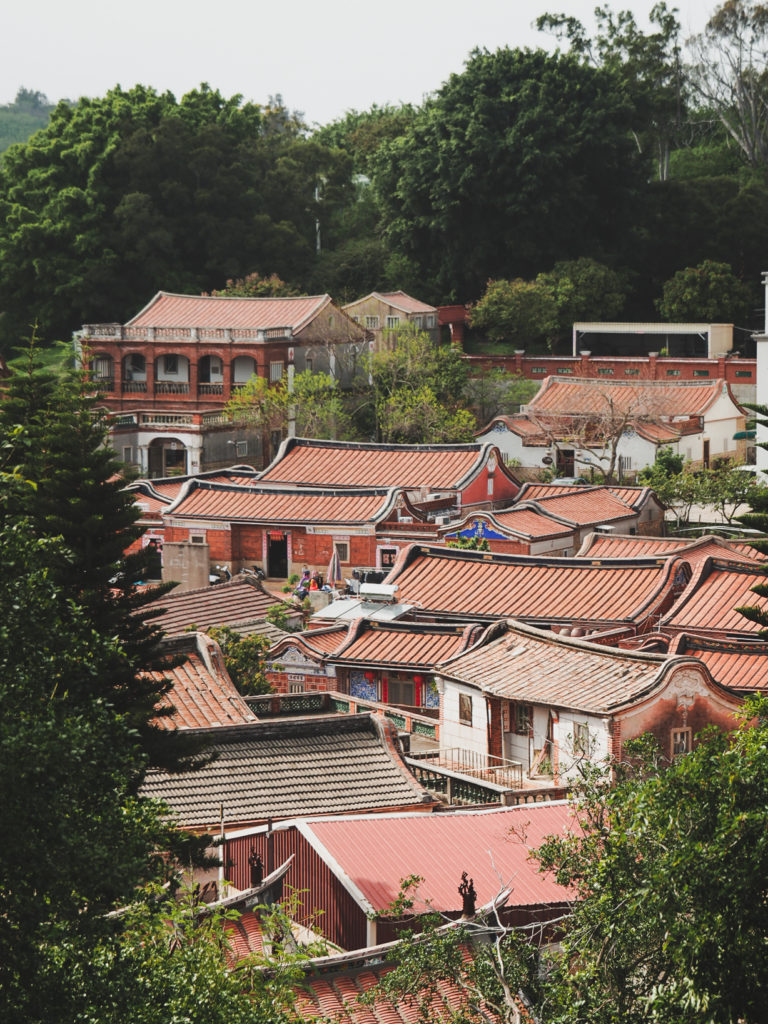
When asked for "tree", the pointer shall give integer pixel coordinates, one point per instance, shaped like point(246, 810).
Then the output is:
point(507, 169)
point(119, 196)
point(729, 74)
point(55, 436)
point(668, 920)
point(255, 286)
point(709, 292)
point(316, 403)
point(649, 67)
point(495, 391)
point(583, 289)
point(519, 312)
point(244, 658)
point(417, 390)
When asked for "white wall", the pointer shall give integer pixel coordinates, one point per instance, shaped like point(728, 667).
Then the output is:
point(452, 732)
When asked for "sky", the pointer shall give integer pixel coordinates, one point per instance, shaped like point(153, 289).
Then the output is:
point(323, 58)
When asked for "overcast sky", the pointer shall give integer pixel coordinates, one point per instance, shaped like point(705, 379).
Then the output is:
point(324, 57)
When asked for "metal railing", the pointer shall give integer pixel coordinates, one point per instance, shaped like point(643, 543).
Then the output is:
point(487, 767)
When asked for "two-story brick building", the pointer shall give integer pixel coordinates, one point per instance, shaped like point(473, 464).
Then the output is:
point(167, 373)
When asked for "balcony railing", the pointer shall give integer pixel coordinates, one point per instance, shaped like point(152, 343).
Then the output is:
point(103, 383)
point(134, 387)
point(210, 389)
point(487, 767)
point(171, 387)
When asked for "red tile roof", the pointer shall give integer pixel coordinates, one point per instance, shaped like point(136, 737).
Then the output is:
point(617, 545)
point(524, 522)
point(211, 311)
point(241, 600)
point(475, 584)
point(493, 846)
point(584, 506)
point(520, 663)
point(399, 299)
point(202, 695)
point(400, 645)
point(738, 664)
point(582, 395)
point(708, 604)
point(350, 464)
point(202, 500)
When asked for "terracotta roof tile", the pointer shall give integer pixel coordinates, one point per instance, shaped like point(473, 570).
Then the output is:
point(439, 847)
point(601, 545)
point(476, 584)
point(349, 464)
point(525, 522)
point(202, 695)
point(587, 505)
point(643, 398)
point(212, 311)
point(400, 645)
point(738, 664)
point(202, 500)
point(320, 765)
point(536, 666)
point(708, 604)
point(242, 599)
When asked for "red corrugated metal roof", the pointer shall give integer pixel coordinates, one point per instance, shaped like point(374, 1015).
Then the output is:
point(741, 665)
point(708, 604)
point(211, 311)
point(347, 464)
point(219, 502)
point(375, 853)
point(580, 395)
point(477, 584)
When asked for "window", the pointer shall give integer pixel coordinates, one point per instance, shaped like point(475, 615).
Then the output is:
point(538, 369)
point(241, 448)
point(632, 371)
point(296, 687)
point(387, 557)
point(523, 719)
point(308, 364)
point(197, 538)
point(400, 692)
point(431, 320)
point(102, 368)
point(605, 371)
point(701, 373)
point(681, 741)
point(127, 454)
point(580, 738)
point(506, 716)
point(490, 486)
point(673, 373)
point(171, 364)
point(744, 373)
point(625, 464)
point(417, 321)
point(565, 369)
point(465, 709)
point(393, 321)
point(342, 550)
point(330, 320)
point(372, 322)
point(275, 371)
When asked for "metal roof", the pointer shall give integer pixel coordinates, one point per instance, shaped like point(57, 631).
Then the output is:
point(372, 855)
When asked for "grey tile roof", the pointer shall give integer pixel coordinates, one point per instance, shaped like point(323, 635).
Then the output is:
point(325, 765)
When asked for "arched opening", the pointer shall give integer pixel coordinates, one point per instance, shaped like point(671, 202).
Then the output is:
point(102, 371)
point(210, 375)
point(134, 372)
point(166, 456)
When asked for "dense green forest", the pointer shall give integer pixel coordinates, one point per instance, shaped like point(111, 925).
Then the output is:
point(629, 149)
point(28, 113)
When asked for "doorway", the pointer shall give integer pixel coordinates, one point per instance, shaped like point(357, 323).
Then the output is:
point(277, 555)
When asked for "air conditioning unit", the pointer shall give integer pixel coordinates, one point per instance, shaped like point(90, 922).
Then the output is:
point(605, 529)
point(442, 520)
point(405, 519)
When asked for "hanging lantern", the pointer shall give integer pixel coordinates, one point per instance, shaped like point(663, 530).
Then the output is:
point(370, 676)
